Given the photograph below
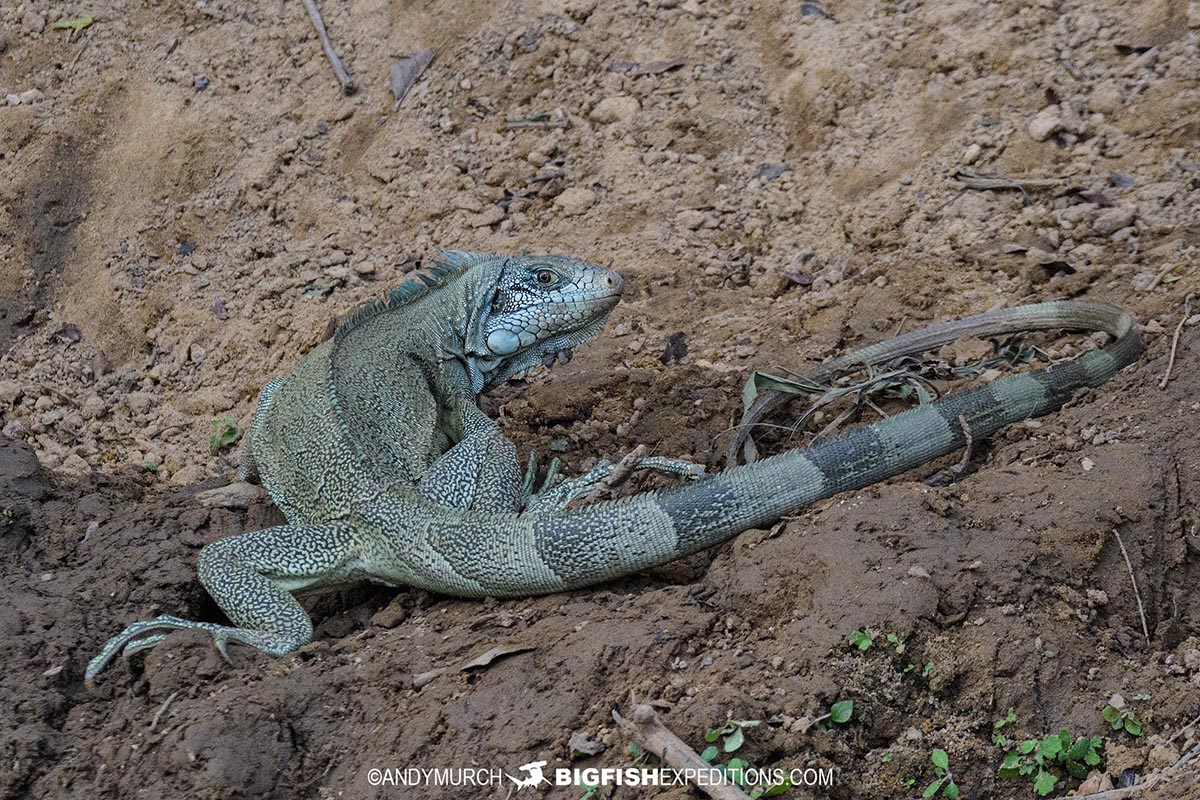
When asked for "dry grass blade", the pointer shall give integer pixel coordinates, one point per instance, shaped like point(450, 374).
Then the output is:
point(1187, 312)
point(973, 180)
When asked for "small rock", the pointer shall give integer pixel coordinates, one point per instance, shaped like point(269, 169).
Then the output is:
point(490, 216)
point(235, 495)
point(1163, 755)
point(10, 392)
point(1087, 464)
point(1113, 220)
point(1096, 781)
point(917, 571)
point(365, 268)
point(186, 476)
point(74, 466)
point(972, 154)
point(16, 429)
point(32, 96)
point(620, 108)
point(12, 99)
point(1045, 123)
point(390, 615)
point(575, 200)
point(1106, 98)
point(690, 218)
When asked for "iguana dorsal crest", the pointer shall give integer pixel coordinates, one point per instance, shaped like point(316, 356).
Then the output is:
point(425, 281)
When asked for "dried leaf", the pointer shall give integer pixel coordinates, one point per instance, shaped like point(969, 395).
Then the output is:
point(676, 348)
point(657, 67)
point(68, 334)
point(422, 680)
point(405, 72)
point(485, 659)
point(581, 745)
point(75, 24)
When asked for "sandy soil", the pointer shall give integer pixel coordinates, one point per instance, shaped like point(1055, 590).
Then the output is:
point(187, 203)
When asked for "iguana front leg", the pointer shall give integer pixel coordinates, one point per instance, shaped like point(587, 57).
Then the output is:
point(252, 577)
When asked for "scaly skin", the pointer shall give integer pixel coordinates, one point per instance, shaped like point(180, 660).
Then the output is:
point(377, 453)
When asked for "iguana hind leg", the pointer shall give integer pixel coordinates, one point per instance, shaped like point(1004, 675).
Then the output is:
point(251, 577)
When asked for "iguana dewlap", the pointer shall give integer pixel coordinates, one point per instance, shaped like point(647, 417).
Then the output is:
point(375, 449)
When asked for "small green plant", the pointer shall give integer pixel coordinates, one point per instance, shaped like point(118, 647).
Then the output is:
point(896, 642)
point(944, 782)
point(1122, 718)
point(225, 433)
point(1034, 758)
point(862, 639)
point(999, 738)
point(841, 711)
point(732, 736)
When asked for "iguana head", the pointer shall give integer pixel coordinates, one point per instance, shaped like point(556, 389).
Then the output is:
point(541, 308)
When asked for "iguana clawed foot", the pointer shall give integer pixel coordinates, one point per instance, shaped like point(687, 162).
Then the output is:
point(557, 492)
point(146, 634)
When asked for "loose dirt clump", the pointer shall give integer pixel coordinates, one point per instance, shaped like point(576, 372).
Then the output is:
point(188, 202)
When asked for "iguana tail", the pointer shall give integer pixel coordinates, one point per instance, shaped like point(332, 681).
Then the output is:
point(535, 555)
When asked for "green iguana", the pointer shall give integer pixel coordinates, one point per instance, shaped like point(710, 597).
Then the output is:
point(376, 451)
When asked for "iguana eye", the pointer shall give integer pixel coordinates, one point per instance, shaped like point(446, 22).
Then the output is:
point(545, 277)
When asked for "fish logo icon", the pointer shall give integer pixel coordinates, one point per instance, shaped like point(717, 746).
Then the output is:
point(534, 778)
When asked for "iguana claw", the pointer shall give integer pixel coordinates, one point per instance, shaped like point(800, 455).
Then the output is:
point(146, 634)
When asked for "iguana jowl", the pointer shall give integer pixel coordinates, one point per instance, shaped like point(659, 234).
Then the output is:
point(375, 450)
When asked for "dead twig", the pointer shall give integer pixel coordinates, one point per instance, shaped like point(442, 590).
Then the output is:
point(620, 473)
point(1136, 594)
point(647, 731)
point(1179, 732)
point(973, 180)
point(535, 124)
point(163, 709)
point(1187, 312)
point(349, 87)
point(1159, 277)
point(1128, 791)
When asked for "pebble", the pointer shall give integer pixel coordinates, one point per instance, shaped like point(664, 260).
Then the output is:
point(619, 108)
point(1112, 220)
point(1045, 123)
point(31, 96)
point(16, 429)
point(690, 219)
point(575, 200)
point(74, 466)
